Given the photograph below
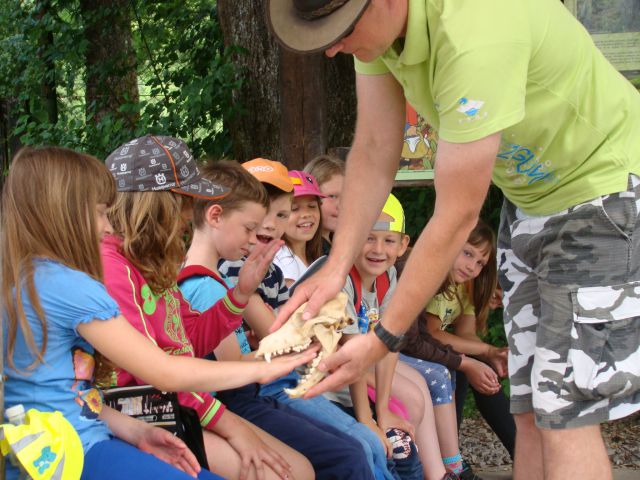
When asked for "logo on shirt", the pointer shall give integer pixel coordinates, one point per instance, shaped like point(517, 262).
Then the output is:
point(471, 109)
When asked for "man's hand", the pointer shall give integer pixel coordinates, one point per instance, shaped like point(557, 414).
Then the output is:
point(323, 286)
point(349, 363)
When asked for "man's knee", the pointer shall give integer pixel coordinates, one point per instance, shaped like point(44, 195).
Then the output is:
point(525, 422)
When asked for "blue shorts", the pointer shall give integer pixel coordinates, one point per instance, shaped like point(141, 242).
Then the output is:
point(114, 458)
point(440, 381)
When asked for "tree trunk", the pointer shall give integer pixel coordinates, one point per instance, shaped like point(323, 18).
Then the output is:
point(110, 60)
point(255, 133)
point(296, 107)
point(45, 47)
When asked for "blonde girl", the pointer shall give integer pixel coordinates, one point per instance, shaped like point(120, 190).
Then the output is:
point(303, 236)
point(58, 316)
point(329, 172)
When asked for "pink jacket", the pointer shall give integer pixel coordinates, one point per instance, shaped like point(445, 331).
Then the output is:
point(169, 322)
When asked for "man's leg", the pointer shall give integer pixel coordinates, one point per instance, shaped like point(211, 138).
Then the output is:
point(521, 314)
point(585, 458)
point(528, 455)
point(586, 365)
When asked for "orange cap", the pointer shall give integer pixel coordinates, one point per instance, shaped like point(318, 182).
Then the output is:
point(271, 172)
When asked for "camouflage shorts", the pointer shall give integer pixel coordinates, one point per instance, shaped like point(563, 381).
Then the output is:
point(572, 309)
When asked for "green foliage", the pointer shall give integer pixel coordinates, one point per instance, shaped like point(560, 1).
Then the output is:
point(185, 75)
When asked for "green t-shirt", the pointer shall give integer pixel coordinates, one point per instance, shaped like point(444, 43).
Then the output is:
point(570, 122)
point(449, 306)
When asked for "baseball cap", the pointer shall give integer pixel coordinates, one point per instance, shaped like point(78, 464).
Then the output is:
point(159, 163)
point(304, 184)
point(392, 217)
point(271, 172)
point(308, 26)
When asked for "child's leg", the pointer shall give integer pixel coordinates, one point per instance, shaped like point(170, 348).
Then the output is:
point(418, 403)
point(325, 411)
point(495, 410)
point(225, 461)
point(332, 453)
point(438, 379)
point(117, 459)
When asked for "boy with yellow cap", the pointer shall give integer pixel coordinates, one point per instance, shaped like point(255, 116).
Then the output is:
point(369, 286)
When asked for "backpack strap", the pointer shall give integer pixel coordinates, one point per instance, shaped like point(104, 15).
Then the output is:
point(356, 282)
point(200, 271)
point(382, 284)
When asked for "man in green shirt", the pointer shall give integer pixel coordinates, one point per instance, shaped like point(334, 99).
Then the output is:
point(521, 96)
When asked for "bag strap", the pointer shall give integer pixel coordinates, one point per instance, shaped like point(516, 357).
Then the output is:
point(356, 282)
point(382, 284)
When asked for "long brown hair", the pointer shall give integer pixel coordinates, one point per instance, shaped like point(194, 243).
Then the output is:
point(481, 288)
point(48, 211)
point(152, 232)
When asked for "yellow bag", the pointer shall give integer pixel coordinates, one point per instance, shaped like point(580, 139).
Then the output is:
point(46, 445)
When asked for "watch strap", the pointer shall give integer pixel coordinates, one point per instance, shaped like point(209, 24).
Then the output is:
point(393, 342)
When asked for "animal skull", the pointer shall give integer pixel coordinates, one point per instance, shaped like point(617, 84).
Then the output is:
point(296, 335)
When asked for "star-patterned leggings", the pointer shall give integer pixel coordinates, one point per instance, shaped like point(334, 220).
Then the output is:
point(440, 381)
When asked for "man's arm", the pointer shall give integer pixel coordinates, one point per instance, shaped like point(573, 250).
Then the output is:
point(371, 168)
point(462, 178)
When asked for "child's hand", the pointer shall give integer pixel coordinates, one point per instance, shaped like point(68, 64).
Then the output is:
point(496, 299)
point(168, 448)
point(282, 365)
point(254, 269)
point(387, 419)
point(253, 452)
point(497, 357)
point(480, 375)
point(381, 435)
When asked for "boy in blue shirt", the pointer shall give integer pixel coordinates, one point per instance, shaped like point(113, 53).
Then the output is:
point(228, 228)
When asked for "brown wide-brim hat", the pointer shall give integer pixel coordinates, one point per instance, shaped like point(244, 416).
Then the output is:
point(309, 26)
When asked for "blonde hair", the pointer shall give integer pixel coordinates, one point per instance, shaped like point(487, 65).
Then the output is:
point(151, 228)
point(243, 187)
point(48, 211)
point(481, 288)
point(325, 167)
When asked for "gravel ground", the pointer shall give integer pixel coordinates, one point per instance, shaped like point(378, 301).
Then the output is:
point(482, 449)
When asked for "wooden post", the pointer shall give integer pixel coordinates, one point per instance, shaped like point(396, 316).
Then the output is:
point(303, 105)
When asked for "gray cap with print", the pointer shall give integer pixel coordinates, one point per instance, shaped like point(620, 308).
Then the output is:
point(157, 163)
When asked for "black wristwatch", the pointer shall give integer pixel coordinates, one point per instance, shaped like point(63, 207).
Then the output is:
point(393, 342)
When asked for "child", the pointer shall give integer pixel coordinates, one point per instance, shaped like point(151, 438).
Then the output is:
point(157, 177)
point(329, 172)
point(273, 293)
point(227, 228)
point(462, 305)
point(373, 270)
point(56, 312)
point(303, 237)
point(434, 361)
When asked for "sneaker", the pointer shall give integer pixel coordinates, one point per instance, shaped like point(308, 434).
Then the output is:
point(450, 476)
point(467, 472)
